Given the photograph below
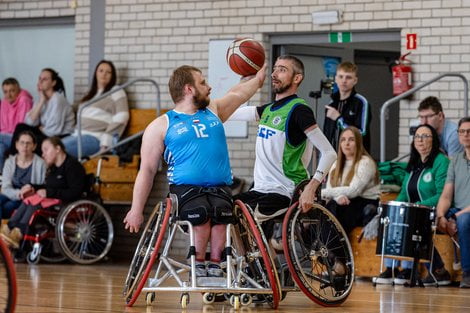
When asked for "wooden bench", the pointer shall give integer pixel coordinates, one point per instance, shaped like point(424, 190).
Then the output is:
point(118, 178)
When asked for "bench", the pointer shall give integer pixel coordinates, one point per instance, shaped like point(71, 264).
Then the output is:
point(118, 178)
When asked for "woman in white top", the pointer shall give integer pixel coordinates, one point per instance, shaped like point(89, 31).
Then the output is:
point(102, 122)
point(353, 181)
point(51, 115)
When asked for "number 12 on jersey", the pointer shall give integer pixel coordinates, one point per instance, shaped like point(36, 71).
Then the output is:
point(199, 129)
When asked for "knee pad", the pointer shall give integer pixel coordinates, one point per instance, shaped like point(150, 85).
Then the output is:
point(196, 215)
point(223, 214)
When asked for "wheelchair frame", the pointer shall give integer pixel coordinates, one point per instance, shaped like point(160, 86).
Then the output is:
point(320, 285)
point(81, 231)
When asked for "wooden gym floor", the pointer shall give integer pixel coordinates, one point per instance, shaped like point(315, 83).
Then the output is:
point(97, 288)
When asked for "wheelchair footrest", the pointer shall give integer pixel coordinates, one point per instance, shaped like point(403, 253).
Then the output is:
point(211, 281)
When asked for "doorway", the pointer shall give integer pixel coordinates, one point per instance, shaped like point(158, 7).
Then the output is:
point(372, 53)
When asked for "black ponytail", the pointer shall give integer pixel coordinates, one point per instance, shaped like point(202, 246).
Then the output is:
point(59, 83)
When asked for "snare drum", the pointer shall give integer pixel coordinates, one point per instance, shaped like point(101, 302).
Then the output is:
point(406, 224)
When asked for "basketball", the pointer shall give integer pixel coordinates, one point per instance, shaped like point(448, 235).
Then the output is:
point(245, 56)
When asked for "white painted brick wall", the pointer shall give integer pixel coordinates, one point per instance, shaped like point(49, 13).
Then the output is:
point(150, 38)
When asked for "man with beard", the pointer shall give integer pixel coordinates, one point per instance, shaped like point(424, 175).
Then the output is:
point(287, 129)
point(192, 140)
point(347, 107)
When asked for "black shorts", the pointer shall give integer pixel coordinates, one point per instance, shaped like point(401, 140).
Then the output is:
point(200, 204)
point(268, 203)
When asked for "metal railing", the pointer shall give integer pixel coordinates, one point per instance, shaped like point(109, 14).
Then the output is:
point(406, 94)
point(125, 140)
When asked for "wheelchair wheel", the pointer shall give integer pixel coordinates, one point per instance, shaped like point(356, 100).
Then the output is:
point(318, 255)
point(261, 265)
point(7, 280)
point(84, 231)
point(147, 251)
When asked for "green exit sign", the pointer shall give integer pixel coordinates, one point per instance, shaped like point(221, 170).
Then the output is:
point(340, 37)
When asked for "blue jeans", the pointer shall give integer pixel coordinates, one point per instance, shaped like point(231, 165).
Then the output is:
point(5, 141)
point(7, 206)
point(463, 229)
point(90, 145)
point(404, 264)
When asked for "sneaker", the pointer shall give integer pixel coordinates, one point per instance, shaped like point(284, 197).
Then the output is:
point(386, 277)
point(442, 278)
point(465, 283)
point(16, 235)
point(277, 244)
point(9, 242)
point(403, 277)
point(214, 270)
point(5, 230)
point(338, 270)
point(201, 270)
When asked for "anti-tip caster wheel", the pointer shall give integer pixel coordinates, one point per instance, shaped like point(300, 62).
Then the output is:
point(149, 298)
point(184, 300)
point(208, 298)
point(246, 299)
point(235, 301)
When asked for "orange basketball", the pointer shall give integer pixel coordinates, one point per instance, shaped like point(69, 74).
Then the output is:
point(245, 56)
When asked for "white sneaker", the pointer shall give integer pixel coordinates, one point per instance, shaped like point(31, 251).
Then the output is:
point(201, 270)
point(214, 270)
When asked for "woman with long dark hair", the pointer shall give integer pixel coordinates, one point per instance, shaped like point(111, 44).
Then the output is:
point(423, 185)
point(51, 115)
point(102, 122)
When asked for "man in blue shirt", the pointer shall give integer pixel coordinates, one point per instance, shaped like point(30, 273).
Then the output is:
point(430, 112)
point(192, 140)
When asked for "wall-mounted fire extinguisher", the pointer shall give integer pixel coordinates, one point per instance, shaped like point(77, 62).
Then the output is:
point(402, 75)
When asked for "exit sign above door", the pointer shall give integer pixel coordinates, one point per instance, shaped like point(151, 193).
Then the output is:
point(340, 37)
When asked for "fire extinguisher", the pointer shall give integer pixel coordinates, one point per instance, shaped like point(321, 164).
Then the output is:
point(402, 75)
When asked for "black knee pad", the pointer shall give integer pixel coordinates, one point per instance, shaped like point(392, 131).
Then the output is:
point(196, 215)
point(223, 214)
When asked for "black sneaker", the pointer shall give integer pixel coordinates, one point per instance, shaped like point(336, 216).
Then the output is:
point(214, 270)
point(385, 277)
point(442, 278)
point(403, 277)
point(465, 283)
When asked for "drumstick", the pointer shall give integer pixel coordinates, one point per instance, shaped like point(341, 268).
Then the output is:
point(455, 242)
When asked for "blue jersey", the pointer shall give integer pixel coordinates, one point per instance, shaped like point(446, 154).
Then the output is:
point(196, 149)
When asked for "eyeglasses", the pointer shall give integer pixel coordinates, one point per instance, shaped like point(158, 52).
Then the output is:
point(422, 137)
point(464, 131)
point(425, 117)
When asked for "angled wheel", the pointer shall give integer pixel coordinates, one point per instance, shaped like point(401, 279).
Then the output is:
point(47, 248)
point(318, 254)
point(84, 231)
point(147, 251)
point(7, 280)
point(261, 265)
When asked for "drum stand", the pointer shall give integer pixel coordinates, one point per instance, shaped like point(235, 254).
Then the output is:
point(385, 221)
point(415, 280)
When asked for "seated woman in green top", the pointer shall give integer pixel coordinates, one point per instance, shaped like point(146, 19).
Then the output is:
point(422, 184)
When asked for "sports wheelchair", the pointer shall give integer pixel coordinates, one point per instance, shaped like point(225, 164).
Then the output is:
point(254, 272)
point(81, 231)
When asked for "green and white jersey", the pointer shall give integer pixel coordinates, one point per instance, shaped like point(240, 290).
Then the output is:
point(279, 166)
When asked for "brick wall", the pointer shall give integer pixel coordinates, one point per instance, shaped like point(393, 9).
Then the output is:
point(150, 38)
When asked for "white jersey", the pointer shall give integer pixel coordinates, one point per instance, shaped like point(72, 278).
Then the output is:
point(279, 165)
